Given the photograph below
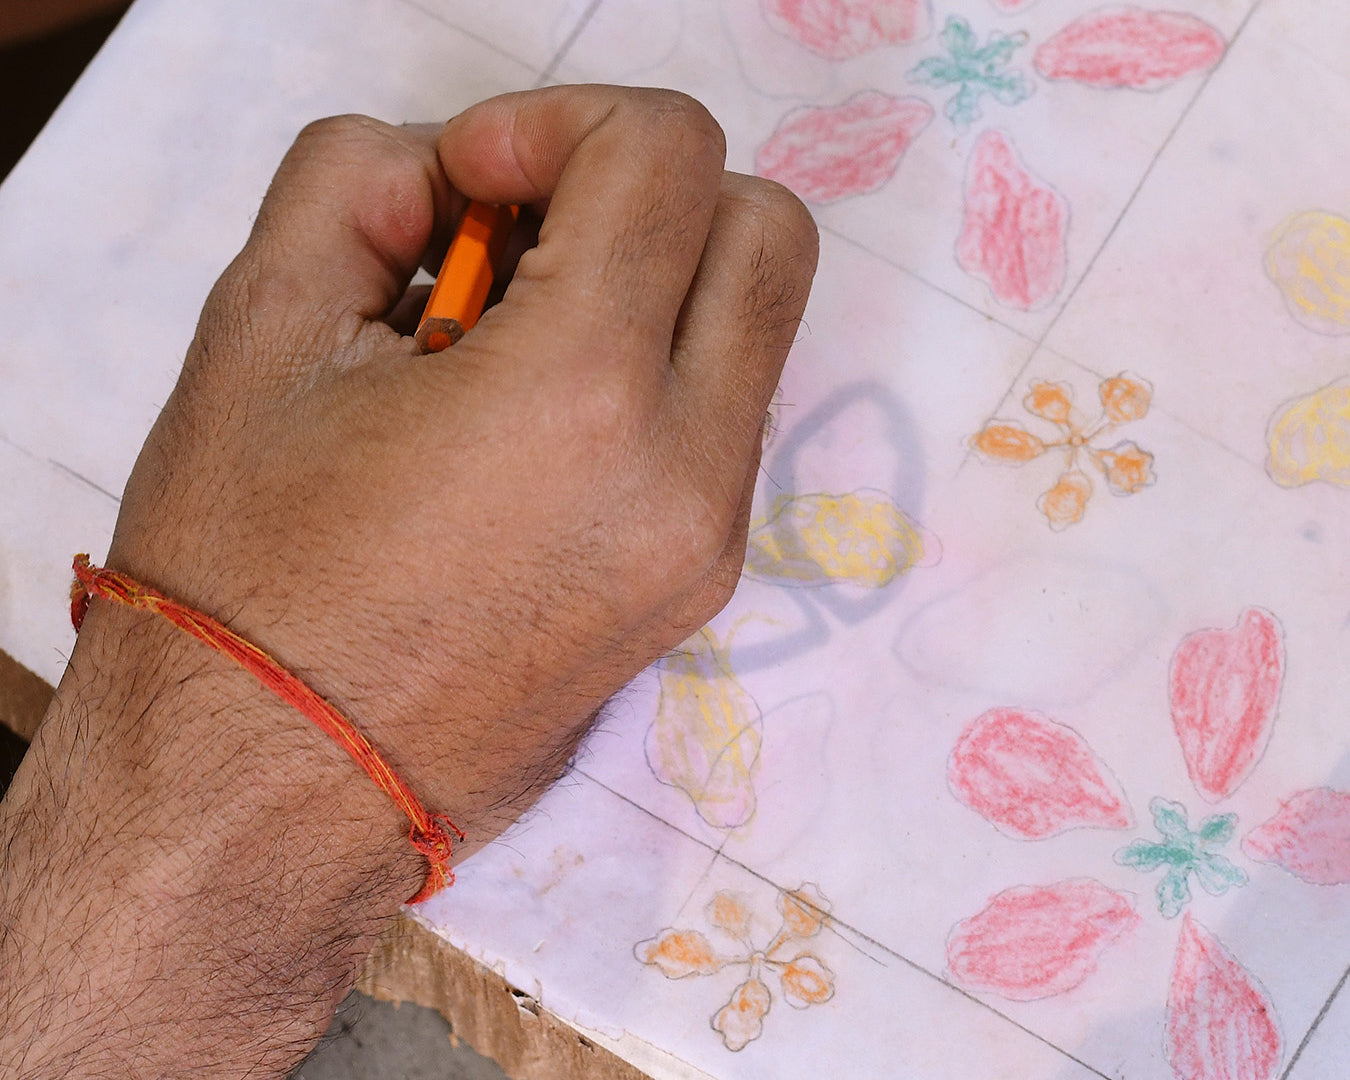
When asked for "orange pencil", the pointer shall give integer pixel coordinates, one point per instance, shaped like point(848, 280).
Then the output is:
point(465, 277)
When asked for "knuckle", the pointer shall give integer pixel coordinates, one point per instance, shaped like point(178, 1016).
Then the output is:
point(788, 224)
point(686, 117)
point(779, 244)
point(612, 409)
point(336, 129)
point(698, 526)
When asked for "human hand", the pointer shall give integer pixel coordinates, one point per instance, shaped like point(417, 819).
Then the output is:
point(467, 553)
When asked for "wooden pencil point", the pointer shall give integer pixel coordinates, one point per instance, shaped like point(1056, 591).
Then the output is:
point(466, 275)
point(436, 335)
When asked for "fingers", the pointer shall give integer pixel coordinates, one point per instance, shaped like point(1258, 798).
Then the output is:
point(342, 229)
point(741, 316)
point(630, 179)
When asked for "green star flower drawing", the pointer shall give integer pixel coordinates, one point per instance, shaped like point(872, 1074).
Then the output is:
point(1184, 853)
point(976, 69)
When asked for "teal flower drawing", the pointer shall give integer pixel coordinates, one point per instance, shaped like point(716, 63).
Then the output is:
point(1185, 852)
point(975, 69)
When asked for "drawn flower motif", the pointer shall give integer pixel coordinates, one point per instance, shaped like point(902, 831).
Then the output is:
point(707, 734)
point(1032, 778)
point(825, 154)
point(1309, 260)
point(1125, 467)
point(1014, 227)
point(1184, 853)
point(1309, 438)
point(859, 538)
point(842, 29)
point(803, 977)
point(1130, 47)
point(975, 69)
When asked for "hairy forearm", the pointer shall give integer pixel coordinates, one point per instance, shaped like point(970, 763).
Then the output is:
point(192, 874)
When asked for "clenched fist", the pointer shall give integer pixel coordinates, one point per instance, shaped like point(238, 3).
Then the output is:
point(466, 553)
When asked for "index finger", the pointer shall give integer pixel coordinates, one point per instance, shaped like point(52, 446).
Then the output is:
point(631, 180)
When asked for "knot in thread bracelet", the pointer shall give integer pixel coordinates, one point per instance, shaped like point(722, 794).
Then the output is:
point(433, 835)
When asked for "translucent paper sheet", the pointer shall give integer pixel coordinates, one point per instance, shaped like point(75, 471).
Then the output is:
point(1022, 749)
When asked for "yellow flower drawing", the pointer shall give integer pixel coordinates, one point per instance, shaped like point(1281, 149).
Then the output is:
point(1309, 260)
point(706, 737)
point(1309, 438)
point(859, 538)
point(1124, 466)
point(803, 977)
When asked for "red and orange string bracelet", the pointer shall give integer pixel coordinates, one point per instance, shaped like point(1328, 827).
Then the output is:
point(431, 834)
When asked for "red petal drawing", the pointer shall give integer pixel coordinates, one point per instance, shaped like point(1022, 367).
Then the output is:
point(1225, 685)
point(839, 29)
point(1309, 837)
point(1220, 1023)
point(1009, 6)
point(1032, 777)
point(1034, 942)
point(1128, 46)
point(1014, 228)
point(829, 153)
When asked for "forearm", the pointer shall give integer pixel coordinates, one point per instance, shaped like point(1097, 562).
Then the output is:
point(192, 872)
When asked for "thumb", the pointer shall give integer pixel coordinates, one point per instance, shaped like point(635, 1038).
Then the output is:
point(342, 229)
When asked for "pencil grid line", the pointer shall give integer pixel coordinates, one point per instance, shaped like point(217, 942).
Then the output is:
point(39, 459)
point(839, 924)
point(1111, 232)
point(991, 316)
point(713, 852)
point(436, 15)
point(546, 76)
point(1258, 464)
point(1316, 1022)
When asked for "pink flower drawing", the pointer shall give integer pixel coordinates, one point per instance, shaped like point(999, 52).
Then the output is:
point(1014, 231)
point(1033, 778)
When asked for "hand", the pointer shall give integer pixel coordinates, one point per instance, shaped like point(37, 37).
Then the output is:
point(467, 553)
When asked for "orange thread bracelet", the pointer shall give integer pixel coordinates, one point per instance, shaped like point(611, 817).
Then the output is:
point(431, 834)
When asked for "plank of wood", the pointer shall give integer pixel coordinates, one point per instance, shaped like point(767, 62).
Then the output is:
point(410, 963)
point(23, 697)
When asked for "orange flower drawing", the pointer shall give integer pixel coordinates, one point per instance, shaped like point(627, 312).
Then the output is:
point(1125, 467)
point(803, 978)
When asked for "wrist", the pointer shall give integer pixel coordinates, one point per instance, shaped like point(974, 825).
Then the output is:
point(179, 835)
